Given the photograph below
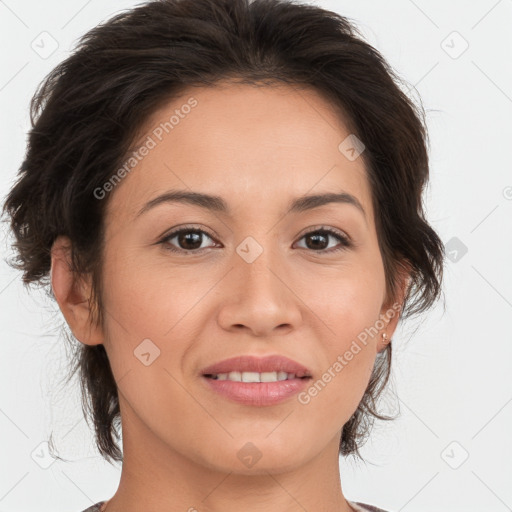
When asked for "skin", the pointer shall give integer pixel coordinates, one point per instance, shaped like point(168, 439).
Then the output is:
point(257, 148)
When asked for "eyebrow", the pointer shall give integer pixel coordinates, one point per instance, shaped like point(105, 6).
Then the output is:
point(217, 204)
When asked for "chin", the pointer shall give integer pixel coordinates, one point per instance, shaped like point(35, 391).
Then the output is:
point(258, 457)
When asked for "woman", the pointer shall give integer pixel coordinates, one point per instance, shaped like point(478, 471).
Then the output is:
point(226, 197)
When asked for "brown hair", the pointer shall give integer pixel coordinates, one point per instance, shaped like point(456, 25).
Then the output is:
point(87, 113)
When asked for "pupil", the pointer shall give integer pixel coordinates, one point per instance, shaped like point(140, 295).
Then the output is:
point(184, 238)
point(316, 237)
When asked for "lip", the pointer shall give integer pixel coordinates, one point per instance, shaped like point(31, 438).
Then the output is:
point(257, 393)
point(247, 363)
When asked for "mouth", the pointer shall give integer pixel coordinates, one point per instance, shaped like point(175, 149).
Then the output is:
point(256, 376)
point(257, 381)
point(248, 368)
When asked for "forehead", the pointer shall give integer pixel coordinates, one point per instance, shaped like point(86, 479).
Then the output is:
point(263, 144)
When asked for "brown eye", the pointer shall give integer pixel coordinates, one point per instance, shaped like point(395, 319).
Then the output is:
point(187, 239)
point(318, 240)
point(192, 239)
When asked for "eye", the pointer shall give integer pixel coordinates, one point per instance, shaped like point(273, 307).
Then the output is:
point(187, 239)
point(319, 240)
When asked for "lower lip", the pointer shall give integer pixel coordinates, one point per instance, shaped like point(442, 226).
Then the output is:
point(257, 393)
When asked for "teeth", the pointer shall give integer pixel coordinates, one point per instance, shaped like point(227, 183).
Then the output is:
point(254, 376)
point(250, 377)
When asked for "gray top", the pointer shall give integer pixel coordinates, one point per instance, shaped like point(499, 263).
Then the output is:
point(359, 507)
point(363, 507)
point(95, 507)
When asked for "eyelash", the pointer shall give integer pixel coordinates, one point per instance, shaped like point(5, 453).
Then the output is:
point(343, 239)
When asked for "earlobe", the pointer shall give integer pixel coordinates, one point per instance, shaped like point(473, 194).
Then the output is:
point(390, 313)
point(72, 294)
point(390, 319)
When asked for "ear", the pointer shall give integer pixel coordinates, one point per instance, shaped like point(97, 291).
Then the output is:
point(392, 308)
point(72, 294)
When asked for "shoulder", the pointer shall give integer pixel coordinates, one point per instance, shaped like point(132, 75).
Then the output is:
point(95, 508)
point(363, 507)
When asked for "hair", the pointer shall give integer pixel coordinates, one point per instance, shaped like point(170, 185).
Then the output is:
point(87, 113)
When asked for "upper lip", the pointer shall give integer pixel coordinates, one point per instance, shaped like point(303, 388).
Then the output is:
point(247, 363)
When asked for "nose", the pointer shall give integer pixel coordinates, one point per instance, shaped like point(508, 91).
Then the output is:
point(259, 296)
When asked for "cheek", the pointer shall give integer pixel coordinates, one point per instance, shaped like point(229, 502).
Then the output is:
point(349, 306)
point(350, 353)
point(148, 298)
point(151, 310)
point(347, 300)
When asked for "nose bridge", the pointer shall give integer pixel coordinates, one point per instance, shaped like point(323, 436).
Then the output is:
point(257, 263)
point(261, 297)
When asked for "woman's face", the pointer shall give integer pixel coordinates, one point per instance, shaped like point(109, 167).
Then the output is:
point(254, 278)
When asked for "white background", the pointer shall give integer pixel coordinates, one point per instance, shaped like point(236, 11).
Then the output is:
point(452, 371)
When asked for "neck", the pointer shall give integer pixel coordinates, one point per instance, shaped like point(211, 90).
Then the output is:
point(156, 477)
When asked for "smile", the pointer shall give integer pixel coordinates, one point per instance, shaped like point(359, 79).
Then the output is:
point(254, 376)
